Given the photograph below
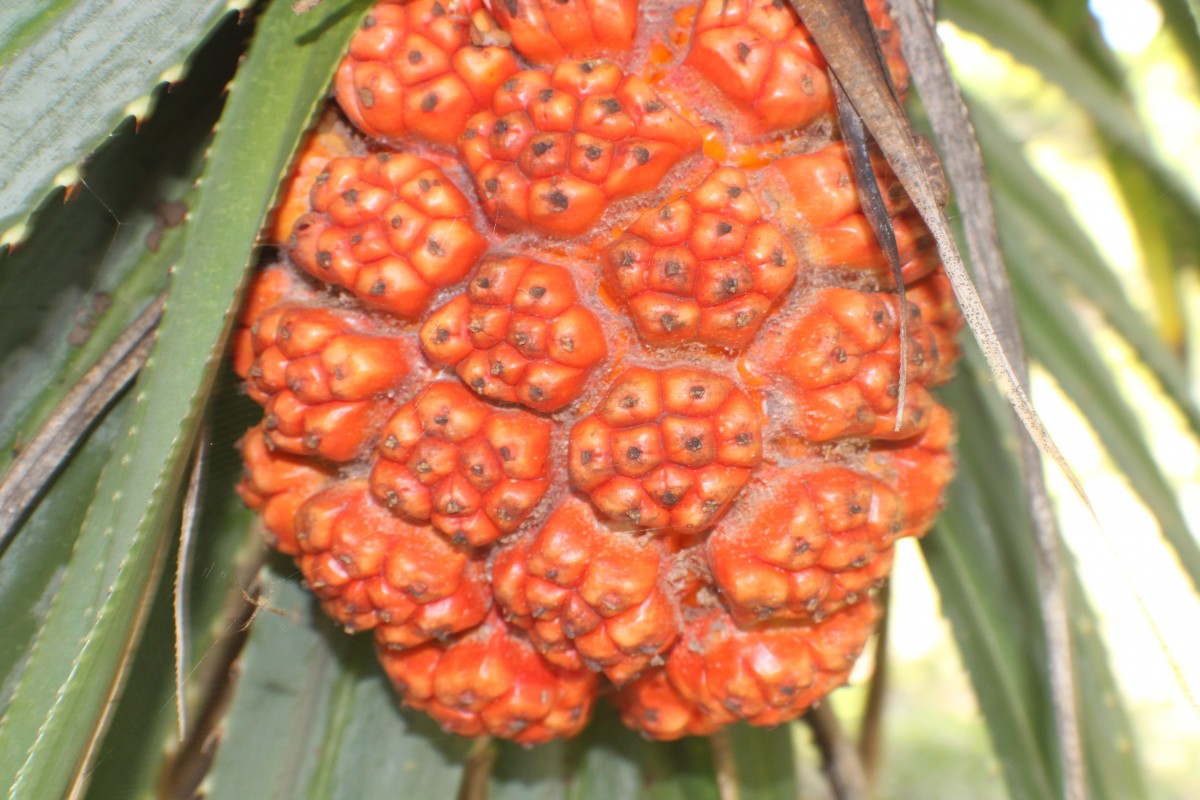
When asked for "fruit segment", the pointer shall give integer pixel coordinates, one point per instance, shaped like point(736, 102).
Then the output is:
point(667, 450)
point(390, 227)
point(327, 141)
point(547, 31)
point(518, 334)
point(721, 673)
point(824, 208)
point(812, 544)
point(840, 363)
point(557, 148)
point(706, 268)
point(372, 571)
point(919, 470)
point(324, 378)
point(276, 484)
point(414, 68)
point(474, 471)
point(492, 681)
point(763, 59)
point(587, 594)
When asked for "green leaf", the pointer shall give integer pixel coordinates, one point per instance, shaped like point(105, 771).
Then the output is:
point(314, 717)
point(31, 567)
point(110, 246)
point(71, 72)
point(1058, 341)
point(981, 558)
point(1021, 29)
point(61, 705)
point(990, 599)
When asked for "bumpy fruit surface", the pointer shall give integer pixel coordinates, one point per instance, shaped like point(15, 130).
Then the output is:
point(581, 366)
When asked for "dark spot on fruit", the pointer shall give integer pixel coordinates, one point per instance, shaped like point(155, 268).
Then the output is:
point(536, 393)
point(469, 134)
point(710, 507)
point(641, 155)
point(483, 283)
point(441, 336)
point(509, 84)
point(625, 258)
point(501, 126)
point(368, 22)
point(743, 52)
point(423, 468)
point(477, 384)
point(730, 285)
point(634, 453)
point(855, 508)
point(350, 196)
point(414, 56)
point(356, 239)
point(429, 102)
point(521, 338)
point(653, 107)
point(840, 356)
point(734, 191)
point(477, 470)
point(324, 258)
point(669, 322)
point(628, 401)
point(592, 152)
point(396, 221)
point(693, 444)
point(567, 343)
point(441, 419)
point(673, 268)
point(391, 442)
point(497, 368)
point(537, 292)
point(610, 106)
point(367, 98)
point(545, 94)
point(586, 457)
point(634, 515)
point(559, 200)
point(453, 507)
point(669, 498)
point(742, 318)
point(434, 248)
point(424, 185)
point(540, 148)
point(744, 439)
point(378, 288)
point(586, 67)
point(723, 228)
point(696, 392)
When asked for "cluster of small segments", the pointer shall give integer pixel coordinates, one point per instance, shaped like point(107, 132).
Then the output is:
point(580, 365)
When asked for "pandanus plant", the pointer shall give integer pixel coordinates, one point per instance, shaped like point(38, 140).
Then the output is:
point(584, 360)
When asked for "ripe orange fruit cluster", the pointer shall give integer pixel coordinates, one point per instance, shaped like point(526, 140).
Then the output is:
point(580, 365)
